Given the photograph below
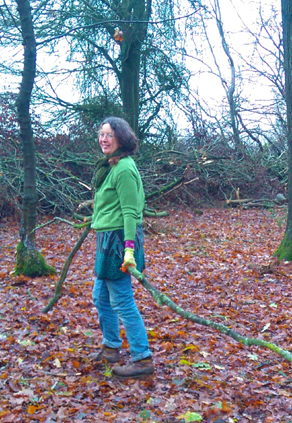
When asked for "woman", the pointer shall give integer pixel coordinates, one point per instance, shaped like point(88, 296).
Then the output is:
point(117, 219)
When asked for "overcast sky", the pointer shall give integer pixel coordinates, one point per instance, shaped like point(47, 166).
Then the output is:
point(237, 16)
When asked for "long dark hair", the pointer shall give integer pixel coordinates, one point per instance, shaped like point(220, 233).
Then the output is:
point(128, 142)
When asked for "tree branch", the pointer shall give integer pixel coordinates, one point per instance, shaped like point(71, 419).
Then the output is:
point(65, 269)
point(162, 299)
point(114, 21)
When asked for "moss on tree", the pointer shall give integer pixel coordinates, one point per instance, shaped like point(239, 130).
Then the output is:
point(284, 251)
point(31, 263)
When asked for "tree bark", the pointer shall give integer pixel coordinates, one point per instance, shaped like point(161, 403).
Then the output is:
point(130, 86)
point(285, 249)
point(29, 198)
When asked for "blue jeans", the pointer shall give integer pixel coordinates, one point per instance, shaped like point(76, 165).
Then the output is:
point(114, 300)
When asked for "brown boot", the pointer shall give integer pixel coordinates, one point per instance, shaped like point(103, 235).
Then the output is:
point(135, 370)
point(108, 355)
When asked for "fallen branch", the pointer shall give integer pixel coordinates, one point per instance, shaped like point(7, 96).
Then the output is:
point(51, 221)
point(87, 203)
point(246, 203)
point(146, 212)
point(238, 202)
point(74, 225)
point(153, 213)
point(65, 269)
point(262, 205)
point(82, 218)
point(164, 299)
point(168, 187)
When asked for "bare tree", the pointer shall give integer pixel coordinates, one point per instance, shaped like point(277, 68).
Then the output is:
point(229, 87)
point(29, 261)
point(266, 64)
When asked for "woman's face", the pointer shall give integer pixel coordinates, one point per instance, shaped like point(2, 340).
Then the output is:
point(107, 140)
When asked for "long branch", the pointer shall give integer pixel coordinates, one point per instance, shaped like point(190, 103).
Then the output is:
point(164, 299)
point(65, 269)
point(114, 21)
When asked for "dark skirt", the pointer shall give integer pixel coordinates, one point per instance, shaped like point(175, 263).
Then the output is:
point(110, 253)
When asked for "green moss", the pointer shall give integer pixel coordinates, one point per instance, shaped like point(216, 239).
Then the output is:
point(31, 263)
point(284, 251)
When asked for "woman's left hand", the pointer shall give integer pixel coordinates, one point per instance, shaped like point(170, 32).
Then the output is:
point(128, 259)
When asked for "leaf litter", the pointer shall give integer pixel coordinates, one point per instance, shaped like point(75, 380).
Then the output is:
point(210, 264)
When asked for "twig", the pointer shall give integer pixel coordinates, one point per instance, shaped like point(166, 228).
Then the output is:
point(74, 225)
point(31, 296)
point(51, 221)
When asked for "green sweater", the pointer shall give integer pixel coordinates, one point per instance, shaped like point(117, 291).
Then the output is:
point(119, 202)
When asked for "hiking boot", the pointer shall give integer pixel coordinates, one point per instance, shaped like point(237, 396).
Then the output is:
point(108, 355)
point(135, 370)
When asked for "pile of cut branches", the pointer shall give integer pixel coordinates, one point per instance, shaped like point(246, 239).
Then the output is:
point(185, 174)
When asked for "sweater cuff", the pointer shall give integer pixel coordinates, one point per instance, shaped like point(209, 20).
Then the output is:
point(130, 244)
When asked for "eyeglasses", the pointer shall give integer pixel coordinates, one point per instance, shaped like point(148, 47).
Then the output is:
point(107, 136)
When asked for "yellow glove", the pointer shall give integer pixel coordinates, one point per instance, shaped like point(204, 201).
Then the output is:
point(128, 259)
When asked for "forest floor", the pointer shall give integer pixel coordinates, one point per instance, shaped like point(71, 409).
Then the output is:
point(210, 264)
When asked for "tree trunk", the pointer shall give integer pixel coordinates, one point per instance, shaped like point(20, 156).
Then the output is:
point(29, 198)
point(230, 91)
point(133, 37)
point(130, 86)
point(285, 249)
point(29, 261)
